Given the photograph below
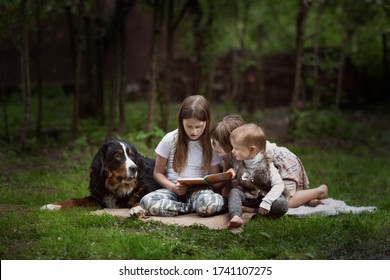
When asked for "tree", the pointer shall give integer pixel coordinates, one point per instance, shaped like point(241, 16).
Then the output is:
point(117, 94)
point(299, 44)
point(38, 58)
point(354, 15)
point(21, 20)
point(25, 71)
point(77, 66)
point(158, 16)
point(172, 25)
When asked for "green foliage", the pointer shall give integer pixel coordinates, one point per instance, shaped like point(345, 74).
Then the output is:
point(141, 136)
point(332, 125)
point(314, 124)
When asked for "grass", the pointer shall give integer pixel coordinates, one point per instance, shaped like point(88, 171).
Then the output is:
point(28, 182)
point(52, 173)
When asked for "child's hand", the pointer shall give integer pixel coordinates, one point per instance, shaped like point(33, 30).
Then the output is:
point(259, 211)
point(263, 212)
point(231, 170)
point(179, 189)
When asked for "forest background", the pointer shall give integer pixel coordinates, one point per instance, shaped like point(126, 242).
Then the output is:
point(314, 74)
point(251, 55)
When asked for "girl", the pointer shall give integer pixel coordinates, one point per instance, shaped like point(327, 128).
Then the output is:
point(220, 141)
point(259, 184)
point(288, 164)
point(185, 153)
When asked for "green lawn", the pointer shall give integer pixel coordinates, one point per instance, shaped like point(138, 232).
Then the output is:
point(354, 163)
point(31, 180)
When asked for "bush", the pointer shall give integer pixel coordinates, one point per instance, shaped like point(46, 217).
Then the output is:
point(315, 124)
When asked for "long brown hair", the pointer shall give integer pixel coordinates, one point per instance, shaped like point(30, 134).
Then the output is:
point(221, 131)
point(197, 107)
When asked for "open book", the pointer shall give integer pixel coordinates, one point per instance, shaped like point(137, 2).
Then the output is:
point(207, 180)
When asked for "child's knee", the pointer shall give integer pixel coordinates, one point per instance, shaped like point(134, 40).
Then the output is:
point(152, 203)
point(144, 202)
point(278, 208)
point(209, 204)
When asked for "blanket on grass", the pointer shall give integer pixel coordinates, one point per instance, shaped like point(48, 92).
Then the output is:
point(328, 208)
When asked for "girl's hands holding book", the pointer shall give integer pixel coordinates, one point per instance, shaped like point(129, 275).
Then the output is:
point(179, 189)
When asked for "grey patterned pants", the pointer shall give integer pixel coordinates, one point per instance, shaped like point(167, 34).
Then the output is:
point(166, 203)
point(237, 198)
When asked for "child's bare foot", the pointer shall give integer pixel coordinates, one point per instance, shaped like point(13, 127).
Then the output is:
point(323, 191)
point(314, 202)
point(236, 221)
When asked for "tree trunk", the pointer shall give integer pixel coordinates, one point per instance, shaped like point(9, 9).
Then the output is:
point(117, 93)
point(199, 46)
point(385, 62)
point(236, 81)
point(317, 88)
point(99, 76)
point(25, 70)
point(152, 94)
point(38, 57)
point(121, 55)
point(340, 75)
point(260, 99)
point(166, 92)
point(72, 37)
point(300, 34)
point(78, 66)
point(5, 115)
point(88, 106)
point(111, 111)
point(212, 65)
point(209, 61)
point(299, 40)
point(121, 85)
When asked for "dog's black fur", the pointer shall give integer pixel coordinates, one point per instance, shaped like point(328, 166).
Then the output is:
point(113, 183)
point(114, 186)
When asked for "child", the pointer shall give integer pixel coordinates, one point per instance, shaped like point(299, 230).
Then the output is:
point(185, 153)
point(220, 141)
point(288, 164)
point(220, 138)
point(259, 182)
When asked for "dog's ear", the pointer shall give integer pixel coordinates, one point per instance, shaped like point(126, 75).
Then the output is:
point(99, 161)
point(140, 162)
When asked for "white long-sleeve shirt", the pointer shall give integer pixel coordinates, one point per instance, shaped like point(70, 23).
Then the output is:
point(276, 182)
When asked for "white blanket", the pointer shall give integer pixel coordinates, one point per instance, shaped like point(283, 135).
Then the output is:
point(329, 207)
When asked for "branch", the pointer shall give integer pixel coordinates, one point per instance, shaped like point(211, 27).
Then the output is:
point(181, 15)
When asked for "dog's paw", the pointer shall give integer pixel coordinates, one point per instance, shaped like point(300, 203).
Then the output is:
point(137, 212)
point(50, 207)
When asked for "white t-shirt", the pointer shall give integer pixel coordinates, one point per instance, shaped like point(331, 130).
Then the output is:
point(193, 168)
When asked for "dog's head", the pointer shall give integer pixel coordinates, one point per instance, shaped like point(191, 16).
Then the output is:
point(117, 164)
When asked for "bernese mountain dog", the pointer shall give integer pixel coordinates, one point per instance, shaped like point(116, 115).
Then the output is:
point(119, 178)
